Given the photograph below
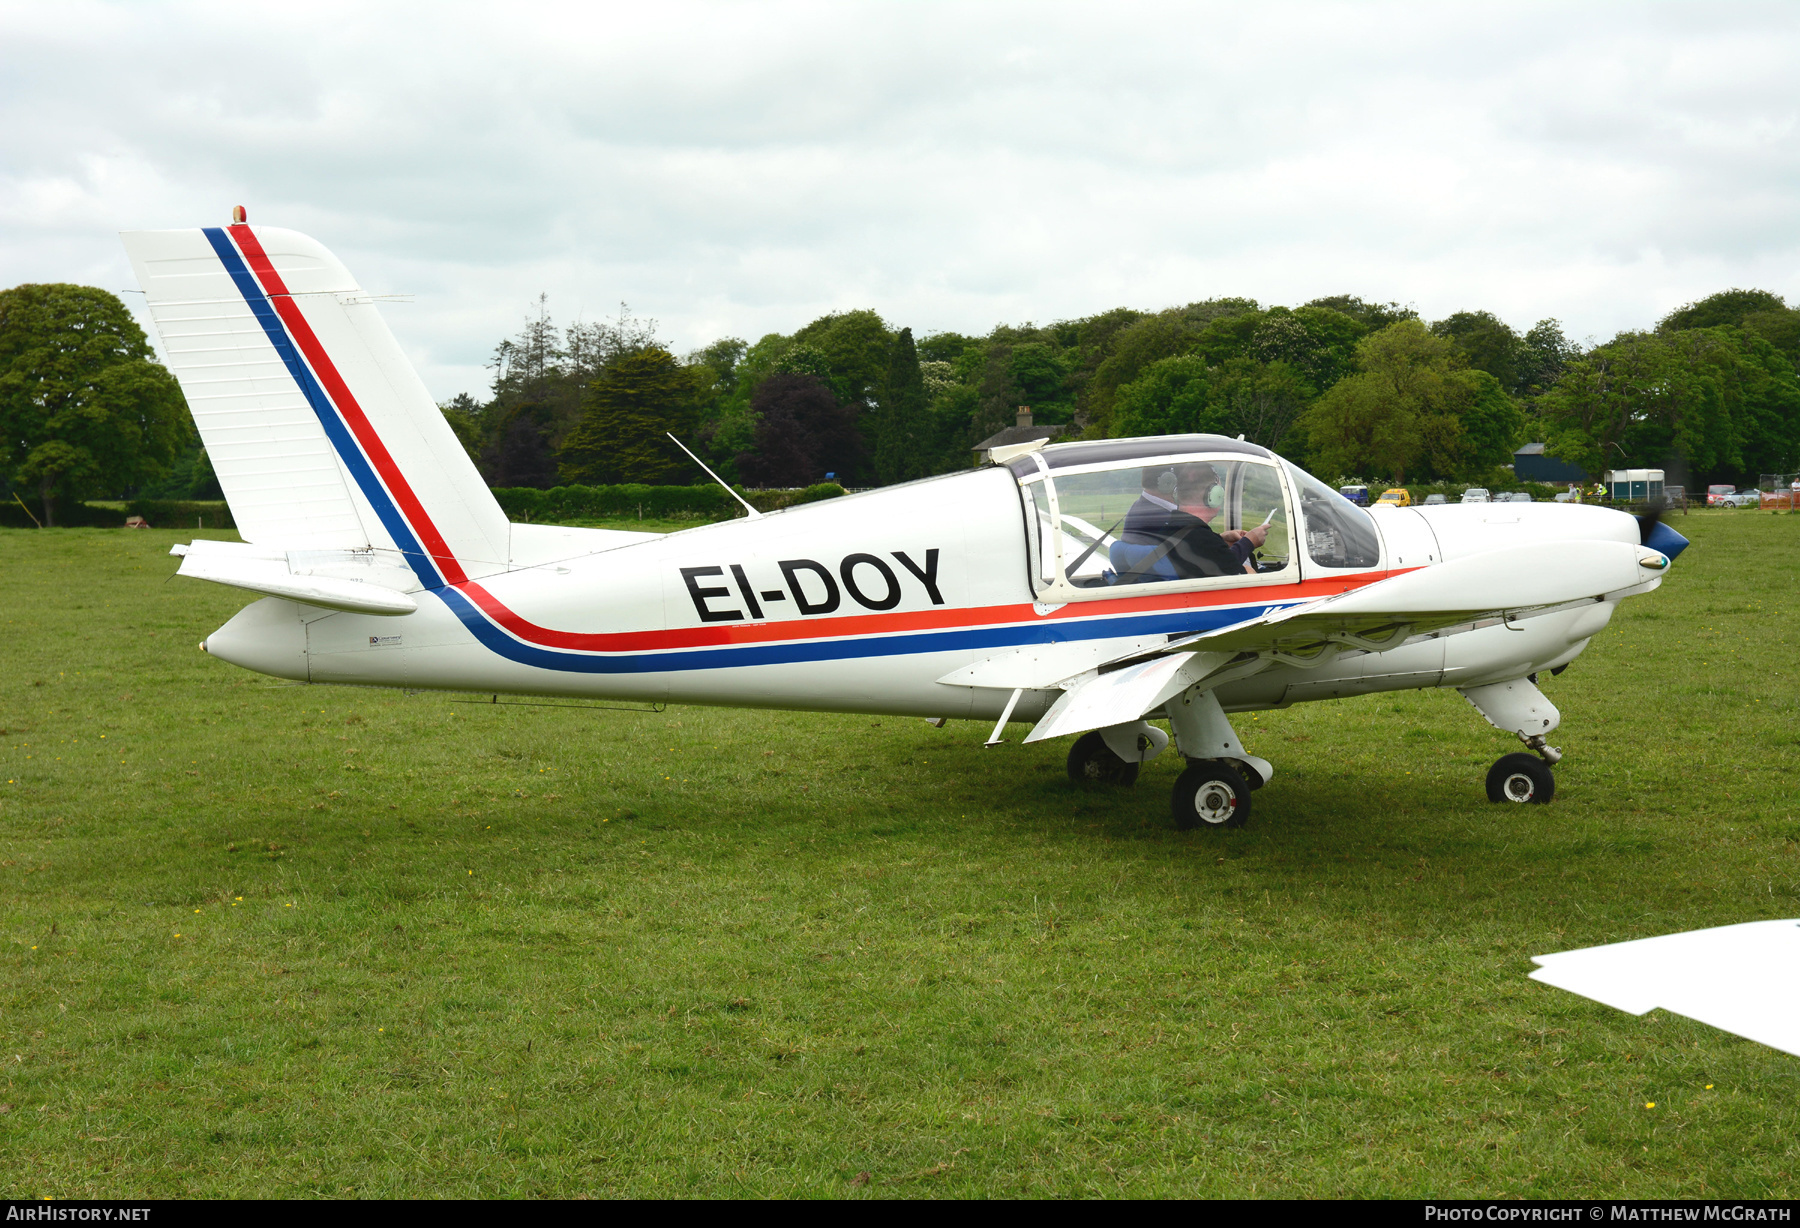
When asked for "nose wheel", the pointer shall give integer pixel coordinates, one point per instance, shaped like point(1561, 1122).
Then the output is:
point(1521, 778)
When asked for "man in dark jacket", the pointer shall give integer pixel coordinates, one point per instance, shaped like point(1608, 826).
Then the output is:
point(1184, 539)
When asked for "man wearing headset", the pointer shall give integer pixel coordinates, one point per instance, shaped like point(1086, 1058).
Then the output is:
point(1172, 514)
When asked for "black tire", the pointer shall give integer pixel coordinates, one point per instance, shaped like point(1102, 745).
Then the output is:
point(1521, 778)
point(1091, 761)
point(1210, 793)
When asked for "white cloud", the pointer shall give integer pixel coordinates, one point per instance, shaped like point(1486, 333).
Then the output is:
point(738, 169)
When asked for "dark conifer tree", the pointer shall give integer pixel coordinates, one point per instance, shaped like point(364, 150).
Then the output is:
point(630, 408)
point(900, 427)
point(522, 455)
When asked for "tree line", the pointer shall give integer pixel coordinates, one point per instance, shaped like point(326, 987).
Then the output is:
point(1342, 386)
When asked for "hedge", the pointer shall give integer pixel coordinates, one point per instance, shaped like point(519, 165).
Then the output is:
point(68, 515)
point(183, 513)
point(523, 503)
point(520, 503)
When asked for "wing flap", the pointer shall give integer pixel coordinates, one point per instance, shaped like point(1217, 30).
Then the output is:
point(1125, 695)
point(1041, 666)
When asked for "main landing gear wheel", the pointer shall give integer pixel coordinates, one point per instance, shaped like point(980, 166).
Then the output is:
point(1520, 778)
point(1091, 761)
point(1210, 793)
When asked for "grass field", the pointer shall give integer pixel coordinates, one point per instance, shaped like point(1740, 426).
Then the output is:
point(266, 939)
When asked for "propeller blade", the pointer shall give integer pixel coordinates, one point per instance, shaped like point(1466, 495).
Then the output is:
point(1653, 533)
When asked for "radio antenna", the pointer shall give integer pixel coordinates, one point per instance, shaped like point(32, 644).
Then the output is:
point(754, 514)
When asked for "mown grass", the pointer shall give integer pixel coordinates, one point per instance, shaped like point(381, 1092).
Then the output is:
point(264, 939)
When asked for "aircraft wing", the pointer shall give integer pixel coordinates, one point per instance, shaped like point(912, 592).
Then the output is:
point(1512, 583)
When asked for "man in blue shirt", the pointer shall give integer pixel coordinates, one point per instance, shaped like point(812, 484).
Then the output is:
point(1171, 515)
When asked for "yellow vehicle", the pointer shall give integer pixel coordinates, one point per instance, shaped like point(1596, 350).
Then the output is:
point(1397, 497)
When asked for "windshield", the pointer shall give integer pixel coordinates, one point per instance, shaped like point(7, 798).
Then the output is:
point(1337, 533)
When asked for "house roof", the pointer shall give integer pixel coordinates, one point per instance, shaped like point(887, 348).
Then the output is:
point(1019, 434)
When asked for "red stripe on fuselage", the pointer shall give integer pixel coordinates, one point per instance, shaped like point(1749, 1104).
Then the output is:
point(917, 620)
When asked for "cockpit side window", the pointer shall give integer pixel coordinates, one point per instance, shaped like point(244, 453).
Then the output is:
point(1338, 533)
point(1158, 523)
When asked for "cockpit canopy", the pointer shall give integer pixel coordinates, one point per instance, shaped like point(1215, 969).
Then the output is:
point(1195, 510)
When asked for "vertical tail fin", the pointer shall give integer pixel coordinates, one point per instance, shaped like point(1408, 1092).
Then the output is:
point(321, 433)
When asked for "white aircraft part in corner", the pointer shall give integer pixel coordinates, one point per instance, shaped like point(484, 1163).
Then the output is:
point(1742, 979)
point(1089, 588)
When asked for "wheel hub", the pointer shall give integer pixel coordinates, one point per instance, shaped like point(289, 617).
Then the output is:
point(1519, 787)
point(1215, 802)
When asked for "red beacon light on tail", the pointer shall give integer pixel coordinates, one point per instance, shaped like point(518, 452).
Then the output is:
point(238, 215)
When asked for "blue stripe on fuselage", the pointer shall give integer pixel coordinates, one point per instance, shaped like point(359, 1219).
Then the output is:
point(788, 652)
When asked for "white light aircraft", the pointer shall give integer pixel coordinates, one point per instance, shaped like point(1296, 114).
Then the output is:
point(1089, 588)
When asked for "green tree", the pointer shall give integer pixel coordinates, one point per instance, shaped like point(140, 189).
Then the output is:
point(1372, 316)
point(1492, 426)
point(630, 408)
point(1757, 311)
point(722, 358)
point(855, 347)
point(84, 406)
point(1721, 399)
point(1412, 407)
point(901, 443)
point(1132, 349)
point(1725, 307)
point(1763, 389)
point(1262, 401)
point(1547, 355)
point(1487, 343)
point(1170, 397)
point(1642, 396)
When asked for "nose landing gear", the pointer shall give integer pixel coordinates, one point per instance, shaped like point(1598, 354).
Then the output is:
point(1519, 707)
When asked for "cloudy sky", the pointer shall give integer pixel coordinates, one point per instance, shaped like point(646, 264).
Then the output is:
point(740, 168)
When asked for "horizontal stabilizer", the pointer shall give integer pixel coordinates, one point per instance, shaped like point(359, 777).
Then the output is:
point(274, 575)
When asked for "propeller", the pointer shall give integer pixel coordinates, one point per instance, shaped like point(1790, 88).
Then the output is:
point(1653, 533)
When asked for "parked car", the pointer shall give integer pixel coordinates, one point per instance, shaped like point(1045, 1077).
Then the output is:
point(1716, 496)
point(1358, 495)
point(1512, 496)
point(1477, 494)
point(1742, 498)
point(1435, 500)
point(1399, 496)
